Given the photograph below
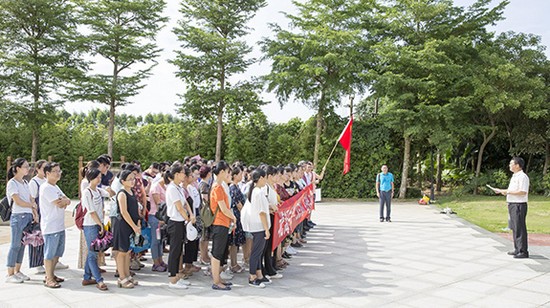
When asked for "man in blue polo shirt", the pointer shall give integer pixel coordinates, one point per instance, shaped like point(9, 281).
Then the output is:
point(384, 191)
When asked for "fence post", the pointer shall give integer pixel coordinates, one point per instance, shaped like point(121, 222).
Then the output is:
point(50, 158)
point(80, 166)
point(8, 166)
point(122, 159)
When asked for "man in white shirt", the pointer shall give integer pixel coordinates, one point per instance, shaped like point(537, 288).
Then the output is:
point(516, 197)
point(52, 223)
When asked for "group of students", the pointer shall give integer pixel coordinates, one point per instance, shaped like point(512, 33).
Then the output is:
point(242, 200)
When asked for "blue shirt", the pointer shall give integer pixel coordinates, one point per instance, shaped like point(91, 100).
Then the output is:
point(385, 181)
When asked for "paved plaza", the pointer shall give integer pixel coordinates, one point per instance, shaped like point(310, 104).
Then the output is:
point(421, 259)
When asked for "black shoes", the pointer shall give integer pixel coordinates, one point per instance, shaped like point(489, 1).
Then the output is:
point(521, 255)
point(387, 219)
point(382, 219)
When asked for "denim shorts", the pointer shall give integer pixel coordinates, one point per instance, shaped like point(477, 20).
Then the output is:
point(54, 245)
point(248, 235)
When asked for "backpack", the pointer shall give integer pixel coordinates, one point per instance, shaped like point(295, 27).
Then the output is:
point(207, 216)
point(162, 212)
point(79, 213)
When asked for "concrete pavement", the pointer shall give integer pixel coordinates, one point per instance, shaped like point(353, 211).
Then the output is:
point(421, 259)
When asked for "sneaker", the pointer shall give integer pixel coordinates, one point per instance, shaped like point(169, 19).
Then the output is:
point(185, 282)
point(296, 245)
point(226, 276)
point(178, 285)
point(265, 280)
point(22, 276)
point(276, 276)
point(135, 265)
point(291, 251)
point(256, 283)
point(60, 265)
point(40, 270)
point(158, 268)
point(13, 279)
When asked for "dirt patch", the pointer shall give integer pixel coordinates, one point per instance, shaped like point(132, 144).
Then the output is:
point(535, 239)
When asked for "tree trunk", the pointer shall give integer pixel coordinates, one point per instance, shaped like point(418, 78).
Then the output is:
point(111, 135)
point(34, 147)
point(527, 167)
point(439, 172)
point(418, 171)
point(219, 135)
point(405, 172)
point(319, 128)
point(486, 140)
point(547, 160)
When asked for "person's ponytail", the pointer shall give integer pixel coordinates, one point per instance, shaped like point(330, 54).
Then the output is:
point(17, 163)
point(255, 176)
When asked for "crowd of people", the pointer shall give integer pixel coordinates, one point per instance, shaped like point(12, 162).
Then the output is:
point(237, 203)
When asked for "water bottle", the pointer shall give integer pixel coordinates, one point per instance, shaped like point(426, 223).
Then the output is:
point(158, 233)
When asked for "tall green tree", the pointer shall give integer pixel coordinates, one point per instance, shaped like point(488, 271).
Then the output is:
point(213, 53)
point(320, 59)
point(122, 34)
point(39, 53)
point(419, 62)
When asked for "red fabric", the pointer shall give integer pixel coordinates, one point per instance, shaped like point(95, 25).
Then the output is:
point(292, 212)
point(345, 142)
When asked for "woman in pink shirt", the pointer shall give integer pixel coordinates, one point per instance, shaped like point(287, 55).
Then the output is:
point(158, 196)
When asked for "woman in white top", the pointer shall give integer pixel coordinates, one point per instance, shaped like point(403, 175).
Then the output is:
point(273, 199)
point(176, 210)
point(36, 254)
point(92, 201)
point(257, 223)
point(24, 211)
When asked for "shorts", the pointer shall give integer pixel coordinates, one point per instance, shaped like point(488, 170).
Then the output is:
point(219, 242)
point(248, 235)
point(54, 245)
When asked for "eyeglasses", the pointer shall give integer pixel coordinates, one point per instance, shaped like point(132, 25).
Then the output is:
point(57, 171)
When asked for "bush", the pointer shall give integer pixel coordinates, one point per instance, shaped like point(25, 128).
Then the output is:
point(413, 192)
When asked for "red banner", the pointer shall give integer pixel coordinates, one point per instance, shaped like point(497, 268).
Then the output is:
point(291, 213)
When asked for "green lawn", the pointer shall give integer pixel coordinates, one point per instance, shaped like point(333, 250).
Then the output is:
point(491, 212)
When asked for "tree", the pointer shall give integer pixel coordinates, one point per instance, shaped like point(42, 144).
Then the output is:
point(321, 60)
point(122, 32)
point(40, 52)
point(213, 53)
point(419, 66)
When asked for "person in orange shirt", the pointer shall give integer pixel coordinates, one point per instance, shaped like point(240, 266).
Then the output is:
point(224, 219)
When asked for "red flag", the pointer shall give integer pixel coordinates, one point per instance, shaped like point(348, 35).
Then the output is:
point(345, 142)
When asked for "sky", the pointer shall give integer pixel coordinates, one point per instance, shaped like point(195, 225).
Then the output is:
point(160, 94)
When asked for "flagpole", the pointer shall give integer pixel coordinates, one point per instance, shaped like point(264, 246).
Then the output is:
point(338, 141)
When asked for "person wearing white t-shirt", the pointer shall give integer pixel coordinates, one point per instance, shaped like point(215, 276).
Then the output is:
point(53, 203)
point(516, 196)
point(36, 254)
point(255, 220)
point(92, 226)
point(23, 213)
point(176, 205)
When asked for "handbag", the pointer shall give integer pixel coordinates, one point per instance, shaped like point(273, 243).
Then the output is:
point(5, 208)
point(32, 235)
point(102, 242)
point(141, 242)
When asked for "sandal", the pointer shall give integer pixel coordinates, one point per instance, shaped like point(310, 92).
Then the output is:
point(102, 286)
point(132, 280)
point(55, 278)
point(51, 284)
point(125, 284)
point(237, 269)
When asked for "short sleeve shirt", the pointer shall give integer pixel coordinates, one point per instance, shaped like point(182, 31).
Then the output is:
point(259, 204)
point(218, 194)
point(174, 193)
point(161, 192)
point(92, 201)
point(52, 218)
point(519, 182)
point(34, 185)
point(385, 181)
point(15, 187)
